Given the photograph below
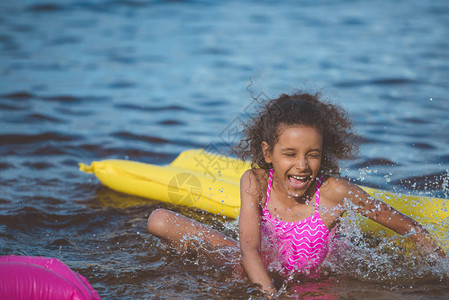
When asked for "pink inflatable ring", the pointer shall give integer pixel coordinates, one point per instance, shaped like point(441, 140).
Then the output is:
point(27, 277)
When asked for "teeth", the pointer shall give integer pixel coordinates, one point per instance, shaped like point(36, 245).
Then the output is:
point(300, 177)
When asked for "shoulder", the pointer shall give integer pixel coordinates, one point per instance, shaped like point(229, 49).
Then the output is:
point(336, 189)
point(255, 176)
point(253, 182)
point(334, 183)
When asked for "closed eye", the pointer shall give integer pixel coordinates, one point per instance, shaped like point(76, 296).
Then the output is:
point(290, 154)
point(315, 155)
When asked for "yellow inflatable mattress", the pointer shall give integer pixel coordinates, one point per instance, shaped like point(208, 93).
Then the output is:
point(210, 182)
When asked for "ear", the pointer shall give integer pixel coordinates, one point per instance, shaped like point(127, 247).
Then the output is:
point(266, 149)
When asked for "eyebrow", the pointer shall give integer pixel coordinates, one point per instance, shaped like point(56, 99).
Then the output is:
point(294, 149)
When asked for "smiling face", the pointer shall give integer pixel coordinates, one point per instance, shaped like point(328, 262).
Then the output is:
point(296, 158)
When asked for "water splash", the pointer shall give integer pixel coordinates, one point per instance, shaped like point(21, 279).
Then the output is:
point(445, 184)
point(364, 172)
point(361, 256)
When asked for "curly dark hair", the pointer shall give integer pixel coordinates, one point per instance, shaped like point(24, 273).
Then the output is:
point(339, 142)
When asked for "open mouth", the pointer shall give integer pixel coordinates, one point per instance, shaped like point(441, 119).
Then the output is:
point(298, 181)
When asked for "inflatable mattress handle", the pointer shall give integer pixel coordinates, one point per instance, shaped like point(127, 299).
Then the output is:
point(86, 168)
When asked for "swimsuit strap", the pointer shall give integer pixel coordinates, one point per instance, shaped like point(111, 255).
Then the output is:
point(317, 193)
point(270, 182)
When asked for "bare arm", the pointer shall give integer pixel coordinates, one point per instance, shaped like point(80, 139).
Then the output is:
point(387, 216)
point(249, 232)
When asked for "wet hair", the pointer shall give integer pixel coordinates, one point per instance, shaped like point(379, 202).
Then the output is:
point(302, 109)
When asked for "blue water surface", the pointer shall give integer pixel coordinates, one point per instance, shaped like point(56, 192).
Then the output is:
point(145, 80)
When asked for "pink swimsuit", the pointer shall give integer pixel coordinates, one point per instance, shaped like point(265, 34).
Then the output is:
point(302, 245)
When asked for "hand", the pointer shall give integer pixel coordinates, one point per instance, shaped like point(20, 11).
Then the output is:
point(427, 243)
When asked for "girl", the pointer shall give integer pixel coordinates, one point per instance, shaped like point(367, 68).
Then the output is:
point(292, 199)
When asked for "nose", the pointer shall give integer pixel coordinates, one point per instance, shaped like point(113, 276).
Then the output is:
point(302, 164)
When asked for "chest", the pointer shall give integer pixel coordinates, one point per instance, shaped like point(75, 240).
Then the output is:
point(289, 210)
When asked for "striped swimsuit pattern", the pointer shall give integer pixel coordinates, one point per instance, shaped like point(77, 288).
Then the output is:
point(302, 245)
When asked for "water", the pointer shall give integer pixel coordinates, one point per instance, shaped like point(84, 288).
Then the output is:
point(145, 80)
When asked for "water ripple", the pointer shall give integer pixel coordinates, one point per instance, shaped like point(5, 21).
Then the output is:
point(129, 136)
point(430, 182)
point(41, 138)
point(18, 96)
point(376, 162)
point(382, 81)
point(44, 7)
point(153, 108)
